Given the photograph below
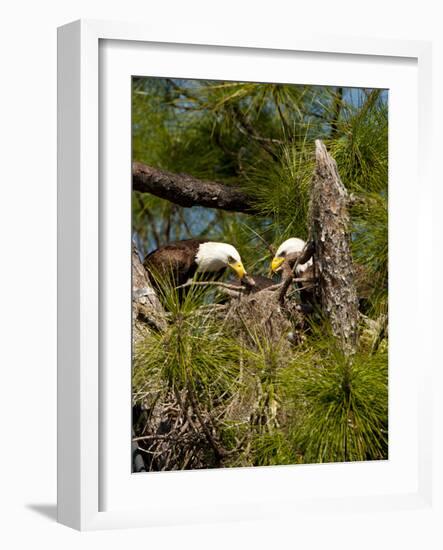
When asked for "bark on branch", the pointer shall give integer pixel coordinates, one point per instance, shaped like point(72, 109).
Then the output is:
point(332, 256)
point(188, 191)
point(148, 313)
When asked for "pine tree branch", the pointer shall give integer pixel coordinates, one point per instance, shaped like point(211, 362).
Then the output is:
point(187, 191)
point(336, 110)
point(247, 128)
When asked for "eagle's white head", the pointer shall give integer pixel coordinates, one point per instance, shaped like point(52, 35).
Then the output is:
point(290, 247)
point(212, 257)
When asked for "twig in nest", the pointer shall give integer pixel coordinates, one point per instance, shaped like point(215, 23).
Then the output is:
point(211, 307)
point(145, 437)
point(213, 283)
point(273, 287)
point(278, 286)
point(219, 452)
point(154, 453)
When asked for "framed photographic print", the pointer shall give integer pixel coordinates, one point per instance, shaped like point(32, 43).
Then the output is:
point(231, 249)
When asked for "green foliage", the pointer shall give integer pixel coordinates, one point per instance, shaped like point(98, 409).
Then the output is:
point(192, 352)
point(339, 403)
point(303, 404)
point(273, 450)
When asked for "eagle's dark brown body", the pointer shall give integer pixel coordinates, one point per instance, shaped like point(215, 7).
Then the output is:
point(176, 260)
point(254, 283)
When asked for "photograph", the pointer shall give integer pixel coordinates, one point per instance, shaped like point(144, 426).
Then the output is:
point(259, 250)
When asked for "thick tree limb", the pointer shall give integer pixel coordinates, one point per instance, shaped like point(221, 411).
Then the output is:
point(329, 219)
point(188, 191)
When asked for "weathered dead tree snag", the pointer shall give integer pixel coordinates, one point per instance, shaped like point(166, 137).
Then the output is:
point(147, 311)
point(329, 219)
point(188, 191)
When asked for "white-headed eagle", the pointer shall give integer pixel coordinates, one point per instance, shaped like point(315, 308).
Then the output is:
point(290, 250)
point(181, 260)
point(284, 260)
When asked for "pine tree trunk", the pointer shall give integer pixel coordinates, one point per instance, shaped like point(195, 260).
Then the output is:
point(329, 218)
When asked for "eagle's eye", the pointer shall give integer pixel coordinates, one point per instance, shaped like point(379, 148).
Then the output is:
point(230, 260)
point(282, 254)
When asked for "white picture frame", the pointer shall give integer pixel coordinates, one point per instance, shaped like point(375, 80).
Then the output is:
point(84, 211)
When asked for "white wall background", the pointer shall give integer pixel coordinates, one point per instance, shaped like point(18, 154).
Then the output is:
point(28, 262)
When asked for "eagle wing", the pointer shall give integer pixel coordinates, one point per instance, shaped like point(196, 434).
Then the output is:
point(175, 260)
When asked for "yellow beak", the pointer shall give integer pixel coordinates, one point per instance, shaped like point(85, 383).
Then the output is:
point(239, 269)
point(276, 263)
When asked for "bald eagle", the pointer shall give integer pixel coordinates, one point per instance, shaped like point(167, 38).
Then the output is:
point(181, 260)
point(284, 261)
point(290, 250)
